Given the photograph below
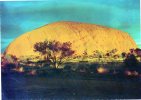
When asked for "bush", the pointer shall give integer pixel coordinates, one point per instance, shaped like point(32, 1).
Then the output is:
point(55, 71)
point(10, 66)
point(93, 68)
point(82, 69)
point(67, 68)
point(131, 63)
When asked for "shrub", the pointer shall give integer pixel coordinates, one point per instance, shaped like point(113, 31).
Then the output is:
point(131, 63)
point(93, 68)
point(82, 68)
point(67, 68)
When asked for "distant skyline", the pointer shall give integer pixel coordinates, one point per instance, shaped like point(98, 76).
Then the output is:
point(20, 17)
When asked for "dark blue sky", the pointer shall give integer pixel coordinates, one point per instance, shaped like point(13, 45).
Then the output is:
point(20, 17)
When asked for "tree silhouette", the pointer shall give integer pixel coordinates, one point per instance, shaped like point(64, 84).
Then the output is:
point(112, 56)
point(123, 54)
point(54, 52)
point(98, 54)
point(138, 52)
point(131, 63)
point(85, 55)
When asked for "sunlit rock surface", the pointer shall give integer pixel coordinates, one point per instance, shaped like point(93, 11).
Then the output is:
point(84, 37)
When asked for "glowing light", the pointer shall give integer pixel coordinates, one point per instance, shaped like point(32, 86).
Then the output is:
point(20, 69)
point(131, 73)
point(135, 73)
point(102, 70)
point(33, 72)
point(128, 73)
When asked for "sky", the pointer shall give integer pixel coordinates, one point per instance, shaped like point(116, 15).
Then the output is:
point(22, 16)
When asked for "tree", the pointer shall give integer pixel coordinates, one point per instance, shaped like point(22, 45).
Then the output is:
point(9, 59)
point(131, 62)
point(112, 56)
point(138, 52)
point(85, 55)
point(54, 52)
point(8, 63)
point(99, 55)
point(123, 54)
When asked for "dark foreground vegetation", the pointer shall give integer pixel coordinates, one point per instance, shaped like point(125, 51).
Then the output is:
point(19, 87)
point(74, 81)
point(112, 76)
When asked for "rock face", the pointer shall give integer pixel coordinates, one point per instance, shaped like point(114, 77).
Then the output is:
point(83, 37)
